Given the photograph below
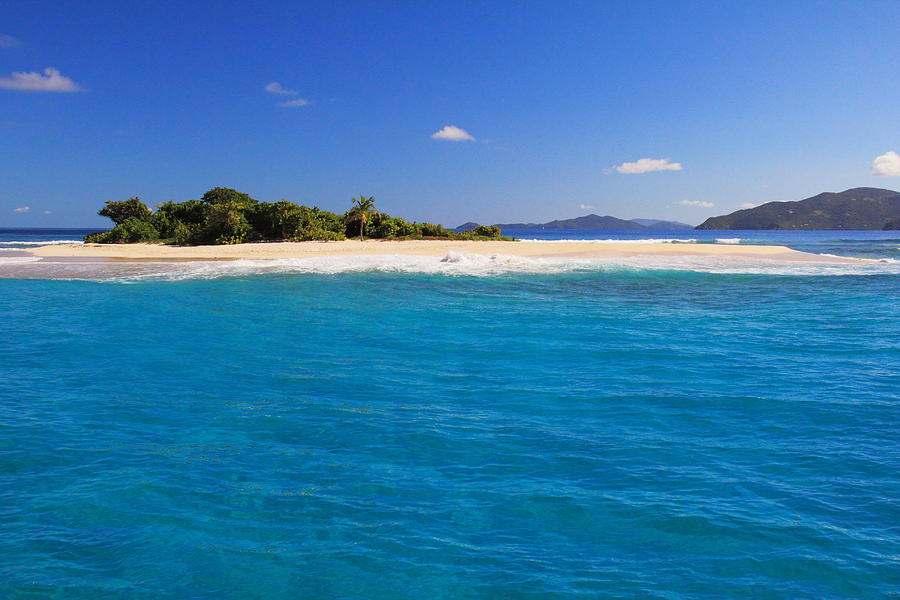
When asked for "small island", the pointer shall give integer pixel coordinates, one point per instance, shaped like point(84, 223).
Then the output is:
point(227, 216)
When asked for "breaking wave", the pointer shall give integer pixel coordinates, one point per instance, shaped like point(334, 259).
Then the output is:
point(453, 264)
point(42, 243)
point(479, 265)
point(14, 260)
point(612, 241)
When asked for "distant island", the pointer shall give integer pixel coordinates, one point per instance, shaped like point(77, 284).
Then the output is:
point(594, 223)
point(227, 216)
point(857, 208)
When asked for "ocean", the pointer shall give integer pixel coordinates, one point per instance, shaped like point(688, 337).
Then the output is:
point(472, 427)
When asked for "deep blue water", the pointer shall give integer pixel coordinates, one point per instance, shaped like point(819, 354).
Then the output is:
point(232, 432)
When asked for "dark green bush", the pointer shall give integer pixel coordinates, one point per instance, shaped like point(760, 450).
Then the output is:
point(491, 231)
point(192, 212)
point(223, 195)
point(130, 231)
point(126, 209)
point(225, 223)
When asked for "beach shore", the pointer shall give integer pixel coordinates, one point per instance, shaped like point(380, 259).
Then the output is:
point(438, 248)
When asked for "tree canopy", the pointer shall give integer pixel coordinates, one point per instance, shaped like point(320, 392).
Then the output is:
point(227, 216)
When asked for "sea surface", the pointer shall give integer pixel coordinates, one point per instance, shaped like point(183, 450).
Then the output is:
point(465, 427)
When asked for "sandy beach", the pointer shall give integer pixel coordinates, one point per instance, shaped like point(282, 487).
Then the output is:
point(438, 248)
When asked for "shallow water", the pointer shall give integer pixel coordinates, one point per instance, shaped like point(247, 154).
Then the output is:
point(407, 430)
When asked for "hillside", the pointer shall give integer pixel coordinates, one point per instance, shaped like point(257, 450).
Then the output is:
point(857, 208)
point(585, 222)
point(590, 222)
point(663, 225)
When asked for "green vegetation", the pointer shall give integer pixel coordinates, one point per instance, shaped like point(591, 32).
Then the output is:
point(226, 216)
point(857, 208)
point(362, 209)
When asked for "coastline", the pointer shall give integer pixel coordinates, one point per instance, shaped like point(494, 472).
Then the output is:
point(436, 248)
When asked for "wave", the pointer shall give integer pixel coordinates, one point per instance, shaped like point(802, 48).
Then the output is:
point(10, 260)
point(478, 265)
point(42, 243)
point(611, 241)
point(728, 240)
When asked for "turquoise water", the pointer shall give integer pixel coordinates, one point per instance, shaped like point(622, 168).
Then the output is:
point(233, 431)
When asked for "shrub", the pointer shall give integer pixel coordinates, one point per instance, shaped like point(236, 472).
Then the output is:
point(225, 223)
point(126, 209)
point(491, 231)
point(181, 234)
point(129, 231)
point(431, 230)
point(223, 195)
point(192, 212)
point(318, 234)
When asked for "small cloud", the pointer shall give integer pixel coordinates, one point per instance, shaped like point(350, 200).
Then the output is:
point(647, 165)
point(749, 205)
point(8, 41)
point(699, 203)
point(294, 103)
point(50, 81)
point(888, 165)
point(276, 88)
point(22, 209)
point(452, 133)
point(47, 212)
point(586, 207)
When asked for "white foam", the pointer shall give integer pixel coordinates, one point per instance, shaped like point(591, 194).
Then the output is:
point(44, 243)
point(611, 241)
point(728, 240)
point(7, 260)
point(479, 265)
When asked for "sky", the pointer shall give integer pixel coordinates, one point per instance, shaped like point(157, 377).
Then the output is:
point(446, 112)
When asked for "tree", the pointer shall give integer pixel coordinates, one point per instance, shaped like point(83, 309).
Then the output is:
point(362, 209)
point(120, 211)
point(223, 195)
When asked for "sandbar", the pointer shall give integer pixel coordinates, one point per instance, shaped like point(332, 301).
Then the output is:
point(437, 248)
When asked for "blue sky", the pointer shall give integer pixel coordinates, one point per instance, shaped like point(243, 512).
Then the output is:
point(753, 101)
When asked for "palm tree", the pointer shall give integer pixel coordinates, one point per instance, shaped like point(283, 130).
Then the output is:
point(362, 209)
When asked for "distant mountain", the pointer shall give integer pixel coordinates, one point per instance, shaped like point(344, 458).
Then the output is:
point(594, 222)
point(660, 225)
point(468, 226)
point(857, 208)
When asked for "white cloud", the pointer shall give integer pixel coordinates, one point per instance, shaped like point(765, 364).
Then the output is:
point(276, 88)
point(647, 165)
point(47, 212)
point(699, 203)
point(8, 41)
point(586, 207)
point(22, 209)
point(452, 133)
point(294, 103)
point(749, 205)
point(50, 81)
point(888, 164)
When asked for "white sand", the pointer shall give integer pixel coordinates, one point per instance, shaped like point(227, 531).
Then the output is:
point(276, 250)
